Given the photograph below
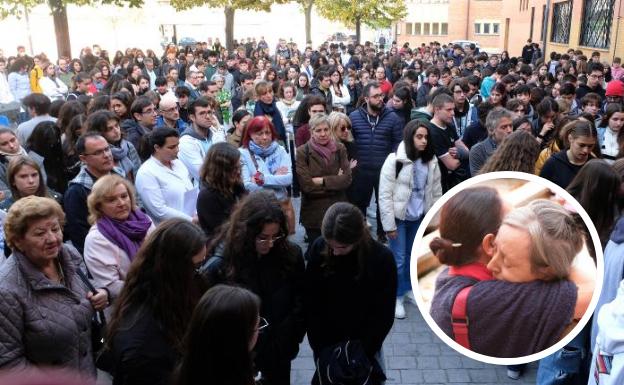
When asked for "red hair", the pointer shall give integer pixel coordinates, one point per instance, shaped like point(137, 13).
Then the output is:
point(256, 124)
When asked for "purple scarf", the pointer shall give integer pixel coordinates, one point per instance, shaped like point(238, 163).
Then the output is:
point(325, 151)
point(128, 234)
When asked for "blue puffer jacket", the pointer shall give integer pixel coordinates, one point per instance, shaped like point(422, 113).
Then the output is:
point(374, 145)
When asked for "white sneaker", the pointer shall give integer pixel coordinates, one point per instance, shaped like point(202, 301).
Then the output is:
point(409, 296)
point(514, 374)
point(399, 310)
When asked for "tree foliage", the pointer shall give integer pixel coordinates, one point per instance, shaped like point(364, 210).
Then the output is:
point(16, 7)
point(252, 5)
point(373, 13)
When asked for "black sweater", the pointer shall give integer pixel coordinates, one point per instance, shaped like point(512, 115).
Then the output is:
point(559, 170)
point(213, 208)
point(340, 307)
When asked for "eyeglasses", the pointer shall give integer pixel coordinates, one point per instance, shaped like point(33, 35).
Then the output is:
point(150, 112)
point(344, 128)
point(376, 96)
point(101, 152)
point(172, 109)
point(263, 324)
point(594, 76)
point(265, 241)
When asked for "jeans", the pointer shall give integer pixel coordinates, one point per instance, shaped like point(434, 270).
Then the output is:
point(568, 366)
point(402, 249)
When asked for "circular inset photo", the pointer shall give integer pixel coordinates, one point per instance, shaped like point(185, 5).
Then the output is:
point(507, 268)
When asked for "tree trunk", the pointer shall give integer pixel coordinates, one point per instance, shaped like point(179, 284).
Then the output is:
point(358, 26)
point(308, 21)
point(229, 28)
point(61, 27)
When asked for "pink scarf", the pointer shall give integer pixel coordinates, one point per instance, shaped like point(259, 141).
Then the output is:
point(325, 151)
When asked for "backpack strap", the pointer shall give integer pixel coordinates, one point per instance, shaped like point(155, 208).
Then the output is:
point(459, 317)
point(253, 159)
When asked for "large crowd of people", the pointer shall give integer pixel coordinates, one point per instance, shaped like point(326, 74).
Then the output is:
point(147, 199)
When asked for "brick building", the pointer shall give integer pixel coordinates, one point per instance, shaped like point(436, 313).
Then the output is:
point(449, 20)
point(588, 25)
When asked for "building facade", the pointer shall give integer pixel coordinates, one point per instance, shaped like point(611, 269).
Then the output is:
point(588, 25)
point(449, 20)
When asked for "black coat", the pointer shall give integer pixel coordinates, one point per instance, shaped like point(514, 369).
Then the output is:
point(339, 306)
point(213, 208)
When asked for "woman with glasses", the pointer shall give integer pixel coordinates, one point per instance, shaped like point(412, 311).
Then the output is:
point(349, 288)
point(252, 251)
point(145, 334)
point(219, 343)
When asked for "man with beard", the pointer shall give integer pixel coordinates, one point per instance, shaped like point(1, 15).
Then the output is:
point(203, 132)
point(377, 131)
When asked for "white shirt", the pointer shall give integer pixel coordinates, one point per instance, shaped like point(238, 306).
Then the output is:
point(53, 89)
point(166, 192)
point(340, 101)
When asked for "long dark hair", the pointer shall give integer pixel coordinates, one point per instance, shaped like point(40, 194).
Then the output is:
point(408, 140)
point(518, 152)
point(403, 92)
point(239, 236)
point(216, 346)
point(161, 280)
point(221, 168)
point(45, 140)
point(596, 188)
point(344, 223)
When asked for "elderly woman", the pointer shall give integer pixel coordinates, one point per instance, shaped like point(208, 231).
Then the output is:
point(323, 172)
point(46, 308)
point(118, 230)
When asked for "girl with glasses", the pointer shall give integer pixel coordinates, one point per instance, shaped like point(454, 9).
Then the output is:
point(252, 251)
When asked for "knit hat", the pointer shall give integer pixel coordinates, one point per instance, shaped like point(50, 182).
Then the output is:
point(615, 88)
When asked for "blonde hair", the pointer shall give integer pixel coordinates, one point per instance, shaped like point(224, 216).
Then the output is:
point(103, 188)
point(262, 87)
point(335, 118)
point(555, 236)
point(317, 120)
point(26, 210)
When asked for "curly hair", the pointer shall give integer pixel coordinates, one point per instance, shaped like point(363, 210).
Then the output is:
point(26, 210)
point(221, 168)
point(518, 152)
point(238, 236)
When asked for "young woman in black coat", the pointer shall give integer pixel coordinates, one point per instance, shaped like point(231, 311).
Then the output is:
point(221, 188)
point(349, 288)
point(257, 255)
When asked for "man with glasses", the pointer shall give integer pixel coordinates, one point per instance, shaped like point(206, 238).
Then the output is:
point(197, 139)
point(142, 123)
point(97, 159)
point(192, 81)
point(594, 82)
point(377, 131)
point(169, 114)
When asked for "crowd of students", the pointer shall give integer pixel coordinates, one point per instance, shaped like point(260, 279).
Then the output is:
point(171, 180)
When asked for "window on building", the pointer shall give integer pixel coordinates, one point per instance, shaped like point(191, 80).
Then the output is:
point(561, 21)
point(495, 28)
point(426, 30)
point(408, 28)
point(417, 29)
point(596, 23)
point(486, 28)
point(477, 28)
point(435, 28)
point(444, 29)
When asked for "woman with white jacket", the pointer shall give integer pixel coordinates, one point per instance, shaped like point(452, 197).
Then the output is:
point(340, 93)
point(163, 182)
point(51, 85)
point(409, 184)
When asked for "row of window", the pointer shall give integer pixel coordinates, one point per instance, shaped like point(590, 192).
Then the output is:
point(596, 21)
point(524, 5)
point(487, 28)
point(427, 29)
point(429, 1)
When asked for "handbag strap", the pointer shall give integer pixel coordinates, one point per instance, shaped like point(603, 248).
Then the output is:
point(253, 159)
point(89, 285)
point(459, 317)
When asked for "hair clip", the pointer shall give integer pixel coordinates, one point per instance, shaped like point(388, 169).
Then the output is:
point(456, 244)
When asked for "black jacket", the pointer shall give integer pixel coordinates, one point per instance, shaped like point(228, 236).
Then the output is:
point(213, 208)
point(559, 170)
point(340, 306)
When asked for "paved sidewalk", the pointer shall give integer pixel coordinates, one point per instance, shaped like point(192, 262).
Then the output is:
point(415, 355)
